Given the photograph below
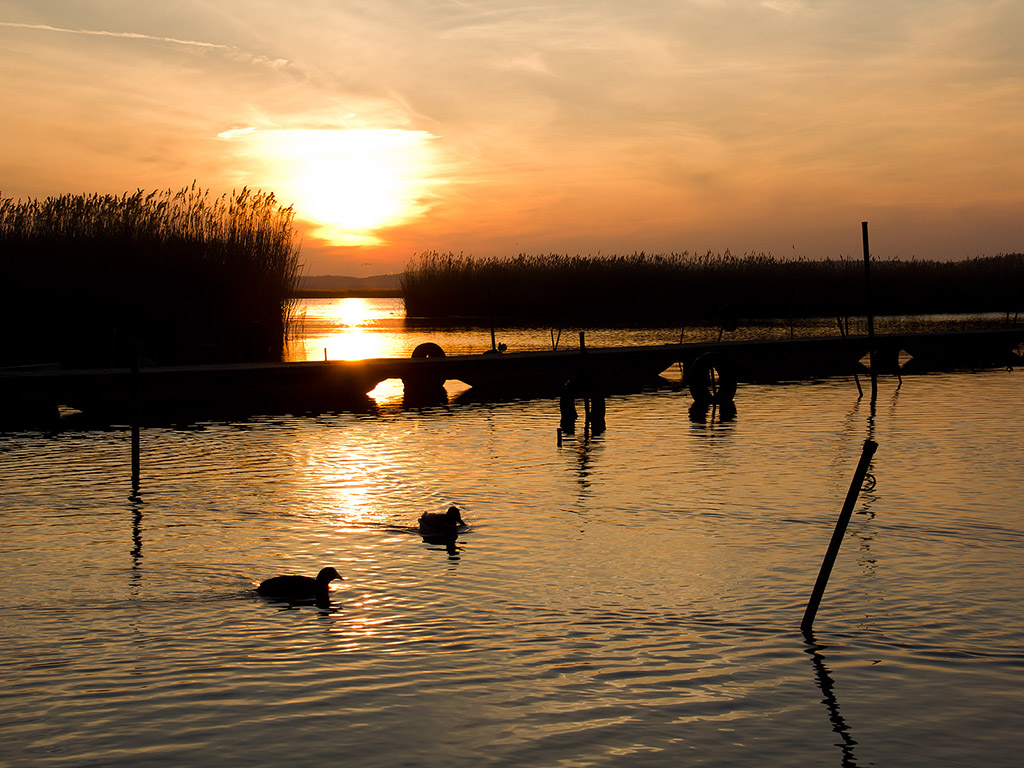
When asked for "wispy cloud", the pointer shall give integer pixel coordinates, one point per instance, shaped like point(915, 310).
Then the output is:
point(107, 33)
point(229, 49)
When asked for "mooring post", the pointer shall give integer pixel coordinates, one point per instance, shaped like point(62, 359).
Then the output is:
point(136, 394)
point(837, 535)
point(584, 377)
point(870, 311)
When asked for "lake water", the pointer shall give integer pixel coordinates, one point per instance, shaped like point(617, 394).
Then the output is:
point(631, 598)
point(353, 329)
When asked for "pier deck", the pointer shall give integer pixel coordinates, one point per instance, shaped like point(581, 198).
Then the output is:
point(229, 390)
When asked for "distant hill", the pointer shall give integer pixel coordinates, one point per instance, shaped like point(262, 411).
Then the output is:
point(335, 286)
point(344, 283)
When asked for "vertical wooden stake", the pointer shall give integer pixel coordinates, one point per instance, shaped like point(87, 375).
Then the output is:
point(135, 422)
point(870, 311)
point(837, 535)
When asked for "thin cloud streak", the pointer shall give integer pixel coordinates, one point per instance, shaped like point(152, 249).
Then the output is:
point(155, 38)
point(104, 33)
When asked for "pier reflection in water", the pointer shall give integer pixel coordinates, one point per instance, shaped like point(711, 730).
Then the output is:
point(630, 598)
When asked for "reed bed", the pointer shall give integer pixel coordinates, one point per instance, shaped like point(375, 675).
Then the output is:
point(180, 277)
point(683, 287)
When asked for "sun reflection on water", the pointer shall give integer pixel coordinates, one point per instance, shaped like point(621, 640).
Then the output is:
point(359, 329)
point(347, 329)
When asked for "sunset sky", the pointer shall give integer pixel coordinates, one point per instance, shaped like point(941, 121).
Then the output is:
point(493, 128)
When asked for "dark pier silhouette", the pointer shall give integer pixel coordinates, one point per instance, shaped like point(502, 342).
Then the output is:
point(31, 396)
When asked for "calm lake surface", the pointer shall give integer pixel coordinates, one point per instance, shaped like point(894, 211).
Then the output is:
point(626, 599)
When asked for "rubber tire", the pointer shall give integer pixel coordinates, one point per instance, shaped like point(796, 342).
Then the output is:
point(705, 372)
point(428, 349)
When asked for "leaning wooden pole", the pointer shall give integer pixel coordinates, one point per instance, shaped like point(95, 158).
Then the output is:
point(837, 535)
point(870, 311)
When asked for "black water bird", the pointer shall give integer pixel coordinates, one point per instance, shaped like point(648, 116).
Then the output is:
point(300, 588)
point(445, 525)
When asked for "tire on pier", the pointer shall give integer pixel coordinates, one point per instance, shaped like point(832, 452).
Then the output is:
point(428, 349)
point(711, 379)
point(426, 385)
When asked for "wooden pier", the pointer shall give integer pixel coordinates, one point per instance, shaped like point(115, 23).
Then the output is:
point(226, 391)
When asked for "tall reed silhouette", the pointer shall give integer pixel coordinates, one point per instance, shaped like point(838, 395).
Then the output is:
point(185, 276)
point(667, 288)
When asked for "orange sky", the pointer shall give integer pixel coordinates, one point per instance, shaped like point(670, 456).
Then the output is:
point(494, 128)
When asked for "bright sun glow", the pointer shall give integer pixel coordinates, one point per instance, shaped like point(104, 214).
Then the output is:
point(348, 183)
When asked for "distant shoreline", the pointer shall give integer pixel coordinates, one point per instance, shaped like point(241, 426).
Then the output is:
point(346, 293)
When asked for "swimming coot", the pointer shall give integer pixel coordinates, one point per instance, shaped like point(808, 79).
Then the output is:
point(299, 588)
point(437, 524)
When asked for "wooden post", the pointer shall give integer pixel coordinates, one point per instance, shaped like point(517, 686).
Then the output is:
point(136, 394)
point(869, 311)
point(583, 377)
point(837, 535)
point(490, 316)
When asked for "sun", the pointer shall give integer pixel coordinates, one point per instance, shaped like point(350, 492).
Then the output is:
point(347, 183)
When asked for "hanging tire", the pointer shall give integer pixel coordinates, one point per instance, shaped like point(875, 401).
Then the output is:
point(428, 349)
point(711, 379)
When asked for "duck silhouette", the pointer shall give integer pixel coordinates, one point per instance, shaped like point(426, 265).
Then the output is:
point(297, 589)
point(446, 525)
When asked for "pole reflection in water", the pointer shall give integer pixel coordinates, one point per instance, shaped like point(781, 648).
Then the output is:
point(583, 456)
point(711, 413)
point(136, 533)
point(828, 697)
point(135, 501)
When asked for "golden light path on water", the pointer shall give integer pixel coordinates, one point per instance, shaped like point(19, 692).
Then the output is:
point(343, 329)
